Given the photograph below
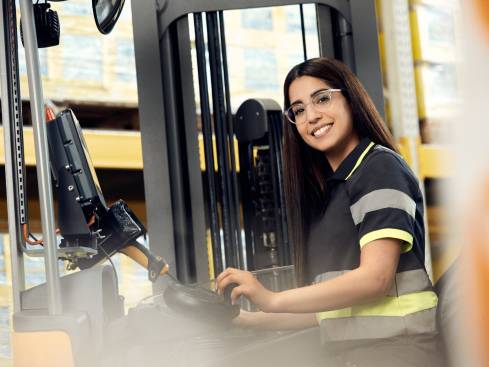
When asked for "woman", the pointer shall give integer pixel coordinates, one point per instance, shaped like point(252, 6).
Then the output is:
point(355, 214)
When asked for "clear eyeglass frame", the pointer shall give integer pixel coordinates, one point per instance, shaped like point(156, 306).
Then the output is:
point(316, 103)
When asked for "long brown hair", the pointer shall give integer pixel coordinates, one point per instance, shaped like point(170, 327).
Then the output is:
point(306, 169)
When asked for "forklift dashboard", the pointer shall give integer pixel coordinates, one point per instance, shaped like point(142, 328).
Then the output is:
point(87, 224)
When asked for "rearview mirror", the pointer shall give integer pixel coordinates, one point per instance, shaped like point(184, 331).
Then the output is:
point(106, 13)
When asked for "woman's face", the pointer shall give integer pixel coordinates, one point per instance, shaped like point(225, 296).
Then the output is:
point(329, 129)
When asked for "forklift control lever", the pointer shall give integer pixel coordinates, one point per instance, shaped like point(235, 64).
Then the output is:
point(155, 264)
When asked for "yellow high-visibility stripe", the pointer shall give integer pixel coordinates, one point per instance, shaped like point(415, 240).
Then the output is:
point(389, 233)
point(360, 159)
point(386, 306)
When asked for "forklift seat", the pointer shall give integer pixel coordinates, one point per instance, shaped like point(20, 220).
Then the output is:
point(448, 290)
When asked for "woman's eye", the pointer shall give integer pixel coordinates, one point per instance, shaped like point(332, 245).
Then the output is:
point(322, 99)
point(298, 111)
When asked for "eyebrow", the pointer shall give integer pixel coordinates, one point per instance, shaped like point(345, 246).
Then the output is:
point(311, 95)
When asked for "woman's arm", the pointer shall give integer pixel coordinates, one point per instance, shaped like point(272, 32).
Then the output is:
point(371, 280)
point(275, 321)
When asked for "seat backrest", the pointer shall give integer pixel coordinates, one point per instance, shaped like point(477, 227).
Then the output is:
point(448, 291)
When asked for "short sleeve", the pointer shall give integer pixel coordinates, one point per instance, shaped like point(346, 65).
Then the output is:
point(384, 199)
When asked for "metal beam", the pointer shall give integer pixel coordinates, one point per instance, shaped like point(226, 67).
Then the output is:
point(366, 49)
point(42, 158)
point(10, 93)
point(153, 131)
point(196, 210)
point(325, 31)
point(172, 10)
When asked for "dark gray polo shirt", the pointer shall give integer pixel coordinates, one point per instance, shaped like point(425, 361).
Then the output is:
point(373, 194)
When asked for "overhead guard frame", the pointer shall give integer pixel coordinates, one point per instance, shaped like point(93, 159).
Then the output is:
point(172, 178)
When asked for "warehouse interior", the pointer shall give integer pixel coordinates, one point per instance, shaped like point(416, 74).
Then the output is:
point(161, 98)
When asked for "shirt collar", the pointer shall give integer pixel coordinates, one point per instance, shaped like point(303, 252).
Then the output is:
point(353, 160)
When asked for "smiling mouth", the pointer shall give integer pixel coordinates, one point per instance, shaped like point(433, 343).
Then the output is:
point(321, 130)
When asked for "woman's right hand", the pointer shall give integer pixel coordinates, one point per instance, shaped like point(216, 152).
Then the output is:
point(247, 285)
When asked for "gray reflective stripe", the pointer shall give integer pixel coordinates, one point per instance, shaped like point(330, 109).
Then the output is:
point(381, 199)
point(409, 282)
point(378, 327)
point(406, 282)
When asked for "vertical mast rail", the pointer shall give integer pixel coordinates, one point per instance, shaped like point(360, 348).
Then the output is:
point(13, 139)
point(303, 31)
point(220, 131)
point(208, 148)
point(240, 253)
point(276, 133)
point(42, 159)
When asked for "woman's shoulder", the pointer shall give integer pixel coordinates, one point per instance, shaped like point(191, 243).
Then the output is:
point(382, 166)
point(385, 159)
point(382, 153)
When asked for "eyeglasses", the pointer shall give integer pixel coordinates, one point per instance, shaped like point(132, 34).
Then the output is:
point(296, 113)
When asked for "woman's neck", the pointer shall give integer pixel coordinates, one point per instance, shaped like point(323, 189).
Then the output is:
point(336, 156)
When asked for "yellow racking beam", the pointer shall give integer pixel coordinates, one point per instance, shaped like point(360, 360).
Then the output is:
point(112, 149)
point(122, 150)
point(108, 149)
point(435, 161)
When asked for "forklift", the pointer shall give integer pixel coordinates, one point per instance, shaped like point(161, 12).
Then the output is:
point(237, 213)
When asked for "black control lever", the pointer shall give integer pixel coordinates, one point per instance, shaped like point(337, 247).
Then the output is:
point(227, 292)
point(155, 264)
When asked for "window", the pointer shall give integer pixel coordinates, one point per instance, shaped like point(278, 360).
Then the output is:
point(5, 332)
point(125, 64)
point(126, 13)
point(86, 65)
point(294, 59)
point(3, 276)
point(260, 19)
point(440, 83)
point(260, 69)
point(34, 271)
point(43, 60)
point(441, 26)
point(77, 7)
point(293, 18)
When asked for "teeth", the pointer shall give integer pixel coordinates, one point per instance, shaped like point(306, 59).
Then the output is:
point(321, 130)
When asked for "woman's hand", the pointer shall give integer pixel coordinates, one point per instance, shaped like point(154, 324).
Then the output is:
point(248, 286)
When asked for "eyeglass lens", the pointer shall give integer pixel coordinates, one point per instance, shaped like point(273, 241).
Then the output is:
point(297, 113)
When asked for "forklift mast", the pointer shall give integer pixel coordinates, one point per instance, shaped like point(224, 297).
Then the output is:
point(185, 207)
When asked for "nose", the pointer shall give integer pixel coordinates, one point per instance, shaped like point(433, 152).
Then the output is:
point(312, 115)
